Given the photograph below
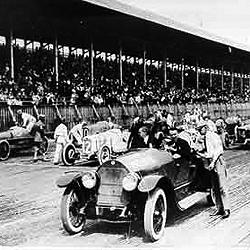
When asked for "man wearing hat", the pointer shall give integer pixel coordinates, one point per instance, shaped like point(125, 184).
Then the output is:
point(60, 136)
point(39, 136)
point(213, 153)
point(76, 133)
point(25, 120)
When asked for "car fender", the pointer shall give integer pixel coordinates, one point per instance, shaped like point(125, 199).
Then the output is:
point(148, 183)
point(67, 179)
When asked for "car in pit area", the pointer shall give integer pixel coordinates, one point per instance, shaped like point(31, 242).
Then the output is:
point(99, 146)
point(141, 185)
point(17, 139)
point(243, 133)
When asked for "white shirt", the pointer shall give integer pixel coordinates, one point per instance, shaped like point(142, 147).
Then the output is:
point(213, 145)
point(27, 118)
point(61, 133)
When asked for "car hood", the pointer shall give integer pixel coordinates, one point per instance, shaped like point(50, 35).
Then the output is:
point(147, 159)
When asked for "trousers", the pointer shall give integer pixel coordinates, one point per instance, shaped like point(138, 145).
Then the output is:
point(219, 181)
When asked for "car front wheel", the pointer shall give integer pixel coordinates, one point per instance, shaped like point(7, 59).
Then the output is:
point(155, 214)
point(68, 154)
point(73, 221)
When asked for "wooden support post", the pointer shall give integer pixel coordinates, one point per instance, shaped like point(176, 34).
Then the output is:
point(182, 73)
point(125, 111)
point(165, 73)
point(36, 111)
point(91, 54)
point(197, 76)
point(58, 112)
point(96, 113)
point(144, 66)
point(120, 66)
point(137, 108)
point(241, 82)
point(210, 78)
point(79, 116)
point(111, 111)
point(12, 73)
point(149, 109)
point(56, 63)
point(232, 80)
point(13, 118)
point(222, 77)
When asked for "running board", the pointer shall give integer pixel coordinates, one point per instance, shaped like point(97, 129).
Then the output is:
point(191, 200)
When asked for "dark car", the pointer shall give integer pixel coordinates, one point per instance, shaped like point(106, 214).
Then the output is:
point(143, 184)
point(243, 133)
point(15, 139)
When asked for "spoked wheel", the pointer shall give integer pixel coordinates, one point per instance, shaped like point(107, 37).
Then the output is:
point(155, 215)
point(68, 154)
point(4, 150)
point(104, 154)
point(73, 221)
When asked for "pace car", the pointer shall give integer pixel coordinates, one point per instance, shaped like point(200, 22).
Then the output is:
point(16, 138)
point(142, 184)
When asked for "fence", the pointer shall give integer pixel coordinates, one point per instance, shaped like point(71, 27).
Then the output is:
point(123, 113)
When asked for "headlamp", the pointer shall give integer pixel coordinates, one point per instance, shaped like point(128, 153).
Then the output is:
point(89, 180)
point(130, 181)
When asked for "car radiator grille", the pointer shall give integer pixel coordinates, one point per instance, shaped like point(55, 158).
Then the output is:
point(110, 192)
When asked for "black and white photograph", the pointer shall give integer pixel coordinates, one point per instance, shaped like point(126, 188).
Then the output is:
point(125, 124)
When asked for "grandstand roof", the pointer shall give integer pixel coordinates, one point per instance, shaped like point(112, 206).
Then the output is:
point(110, 24)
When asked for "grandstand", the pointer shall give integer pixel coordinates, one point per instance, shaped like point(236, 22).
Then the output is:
point(102, 52)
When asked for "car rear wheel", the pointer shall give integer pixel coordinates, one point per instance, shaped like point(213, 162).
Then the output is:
point(73, 221)
point(4, 150)
point(155, 214)
point(68, 154)
point(104, 154)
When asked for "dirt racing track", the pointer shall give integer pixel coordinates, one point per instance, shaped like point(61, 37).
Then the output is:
point(30, 202)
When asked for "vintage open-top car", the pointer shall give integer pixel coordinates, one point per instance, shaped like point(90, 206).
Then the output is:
point(143, 184)
point(16, 138)
point(99, 145)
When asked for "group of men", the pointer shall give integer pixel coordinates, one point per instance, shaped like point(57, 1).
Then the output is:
point(200, 145)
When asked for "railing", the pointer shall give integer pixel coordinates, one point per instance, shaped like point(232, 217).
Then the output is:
point(123, 113)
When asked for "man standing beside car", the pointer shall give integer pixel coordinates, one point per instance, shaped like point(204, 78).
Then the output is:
point(60, 136)
point(213, 153)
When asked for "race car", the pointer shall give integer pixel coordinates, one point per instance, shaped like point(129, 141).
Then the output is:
point(141, 185)
point(98, 146)
point(16, 139)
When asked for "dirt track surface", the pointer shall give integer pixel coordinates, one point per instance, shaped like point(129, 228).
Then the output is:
point(30, 202)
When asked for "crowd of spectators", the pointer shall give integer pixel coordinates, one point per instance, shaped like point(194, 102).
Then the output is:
point(35, 81)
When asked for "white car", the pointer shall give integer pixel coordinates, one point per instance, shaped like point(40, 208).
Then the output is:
point(100, 146)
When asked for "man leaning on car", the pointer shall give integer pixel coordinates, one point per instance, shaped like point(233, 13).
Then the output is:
point(213, 153)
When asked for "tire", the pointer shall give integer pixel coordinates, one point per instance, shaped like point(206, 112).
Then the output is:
point(73, 222)
point(155, 214)
point(104, 154)
point(68, 154)
point(4, 150)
